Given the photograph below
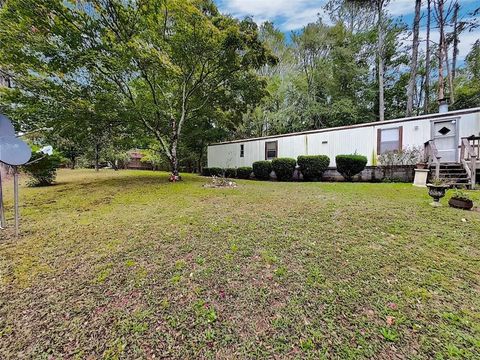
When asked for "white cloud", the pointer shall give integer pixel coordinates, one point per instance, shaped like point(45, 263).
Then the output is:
point(407, 7)
point(287, 14)
point(303, 18)
point(294, 14)
point(401, 7)
point(467, 39)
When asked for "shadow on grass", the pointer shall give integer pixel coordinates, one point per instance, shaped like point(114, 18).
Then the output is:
point(118, 179)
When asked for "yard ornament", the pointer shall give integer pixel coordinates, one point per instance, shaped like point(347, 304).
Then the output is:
point(46, 150)
point(13, 152)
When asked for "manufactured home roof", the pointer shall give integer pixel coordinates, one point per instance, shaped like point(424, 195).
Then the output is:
point(376, 123)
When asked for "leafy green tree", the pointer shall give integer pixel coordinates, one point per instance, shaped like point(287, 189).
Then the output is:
point(468, 81)
point(165, 60)
point(378, 9)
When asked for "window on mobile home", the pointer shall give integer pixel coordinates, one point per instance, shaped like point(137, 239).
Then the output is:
point(389, 140)
point(271, 149)
point(242, 150)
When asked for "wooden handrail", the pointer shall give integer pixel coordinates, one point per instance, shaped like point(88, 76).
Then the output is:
point(431, 156)
point(468, 148)
point(469, 155)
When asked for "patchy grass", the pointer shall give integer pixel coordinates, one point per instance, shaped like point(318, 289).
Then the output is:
point(126, 265)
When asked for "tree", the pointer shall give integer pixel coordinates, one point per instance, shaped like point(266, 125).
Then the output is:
point(468, 91)
point(396, 81)
point(427, 59)
point(379, 7)
point(443, 10)
point(474, 21)
point(76, 118)
point(166, 60)
point(440, 15)
point(351, 13)
point(311, 46)
point(412, 83)
point(457, 28)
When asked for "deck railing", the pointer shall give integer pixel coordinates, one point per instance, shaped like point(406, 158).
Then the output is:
point(470, 155)
point(431, 157)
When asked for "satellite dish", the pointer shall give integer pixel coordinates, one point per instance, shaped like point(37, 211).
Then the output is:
point(14, 151)
point(6, 127)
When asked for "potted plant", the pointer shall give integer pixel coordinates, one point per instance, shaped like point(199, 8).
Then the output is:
point(421, 165)
point(460, 200)
point(437, 189)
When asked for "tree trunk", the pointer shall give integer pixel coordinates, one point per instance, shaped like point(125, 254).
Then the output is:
point(420, 96)
point(441, 49)
point(73, 158)
point(426, 103)
point(115, 165)
point(174, 165)
point(381, 99)
point(97, 157)
point(173, 153)
point(449, 74)
point(456, 30)
point(413, 71)
point(200, 158)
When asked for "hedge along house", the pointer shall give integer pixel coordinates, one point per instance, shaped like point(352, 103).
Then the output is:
point(450, 140)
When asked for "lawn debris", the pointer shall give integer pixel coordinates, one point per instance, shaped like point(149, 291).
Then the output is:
point(220, 182)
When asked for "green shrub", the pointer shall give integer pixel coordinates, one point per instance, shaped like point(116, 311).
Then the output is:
point(42, 169)
point(350, 165)
point(284, 168)
point(244, 172)
point(313, 166)
point(213, 171)
point(231, 173)
point(262, 169)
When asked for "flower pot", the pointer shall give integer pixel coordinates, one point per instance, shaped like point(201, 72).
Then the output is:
point(421, 166)
point(460, 203)
point(437, 192)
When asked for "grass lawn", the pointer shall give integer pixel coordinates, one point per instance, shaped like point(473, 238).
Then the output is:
point(126, 265)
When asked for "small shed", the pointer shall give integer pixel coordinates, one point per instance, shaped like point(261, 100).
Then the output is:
point(135, 162)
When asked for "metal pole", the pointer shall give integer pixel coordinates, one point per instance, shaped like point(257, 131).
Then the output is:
point(15, 193)
point(3, 223)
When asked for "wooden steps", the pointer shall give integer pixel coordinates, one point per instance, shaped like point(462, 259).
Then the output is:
point(454, 174)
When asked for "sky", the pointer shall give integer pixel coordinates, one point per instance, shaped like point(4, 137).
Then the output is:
point(291, 15)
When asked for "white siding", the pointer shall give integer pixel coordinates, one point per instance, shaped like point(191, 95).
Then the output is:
point(361, 140)
point(470, 125)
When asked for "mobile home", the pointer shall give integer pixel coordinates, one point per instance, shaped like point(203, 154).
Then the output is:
point(445, 131)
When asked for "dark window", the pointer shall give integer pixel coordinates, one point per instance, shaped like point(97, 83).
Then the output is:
point(271, 149)
point(444, 131)
point(389, 140)
point(242, 150)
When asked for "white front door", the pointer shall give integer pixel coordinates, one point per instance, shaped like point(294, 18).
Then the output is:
point(445, 137)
